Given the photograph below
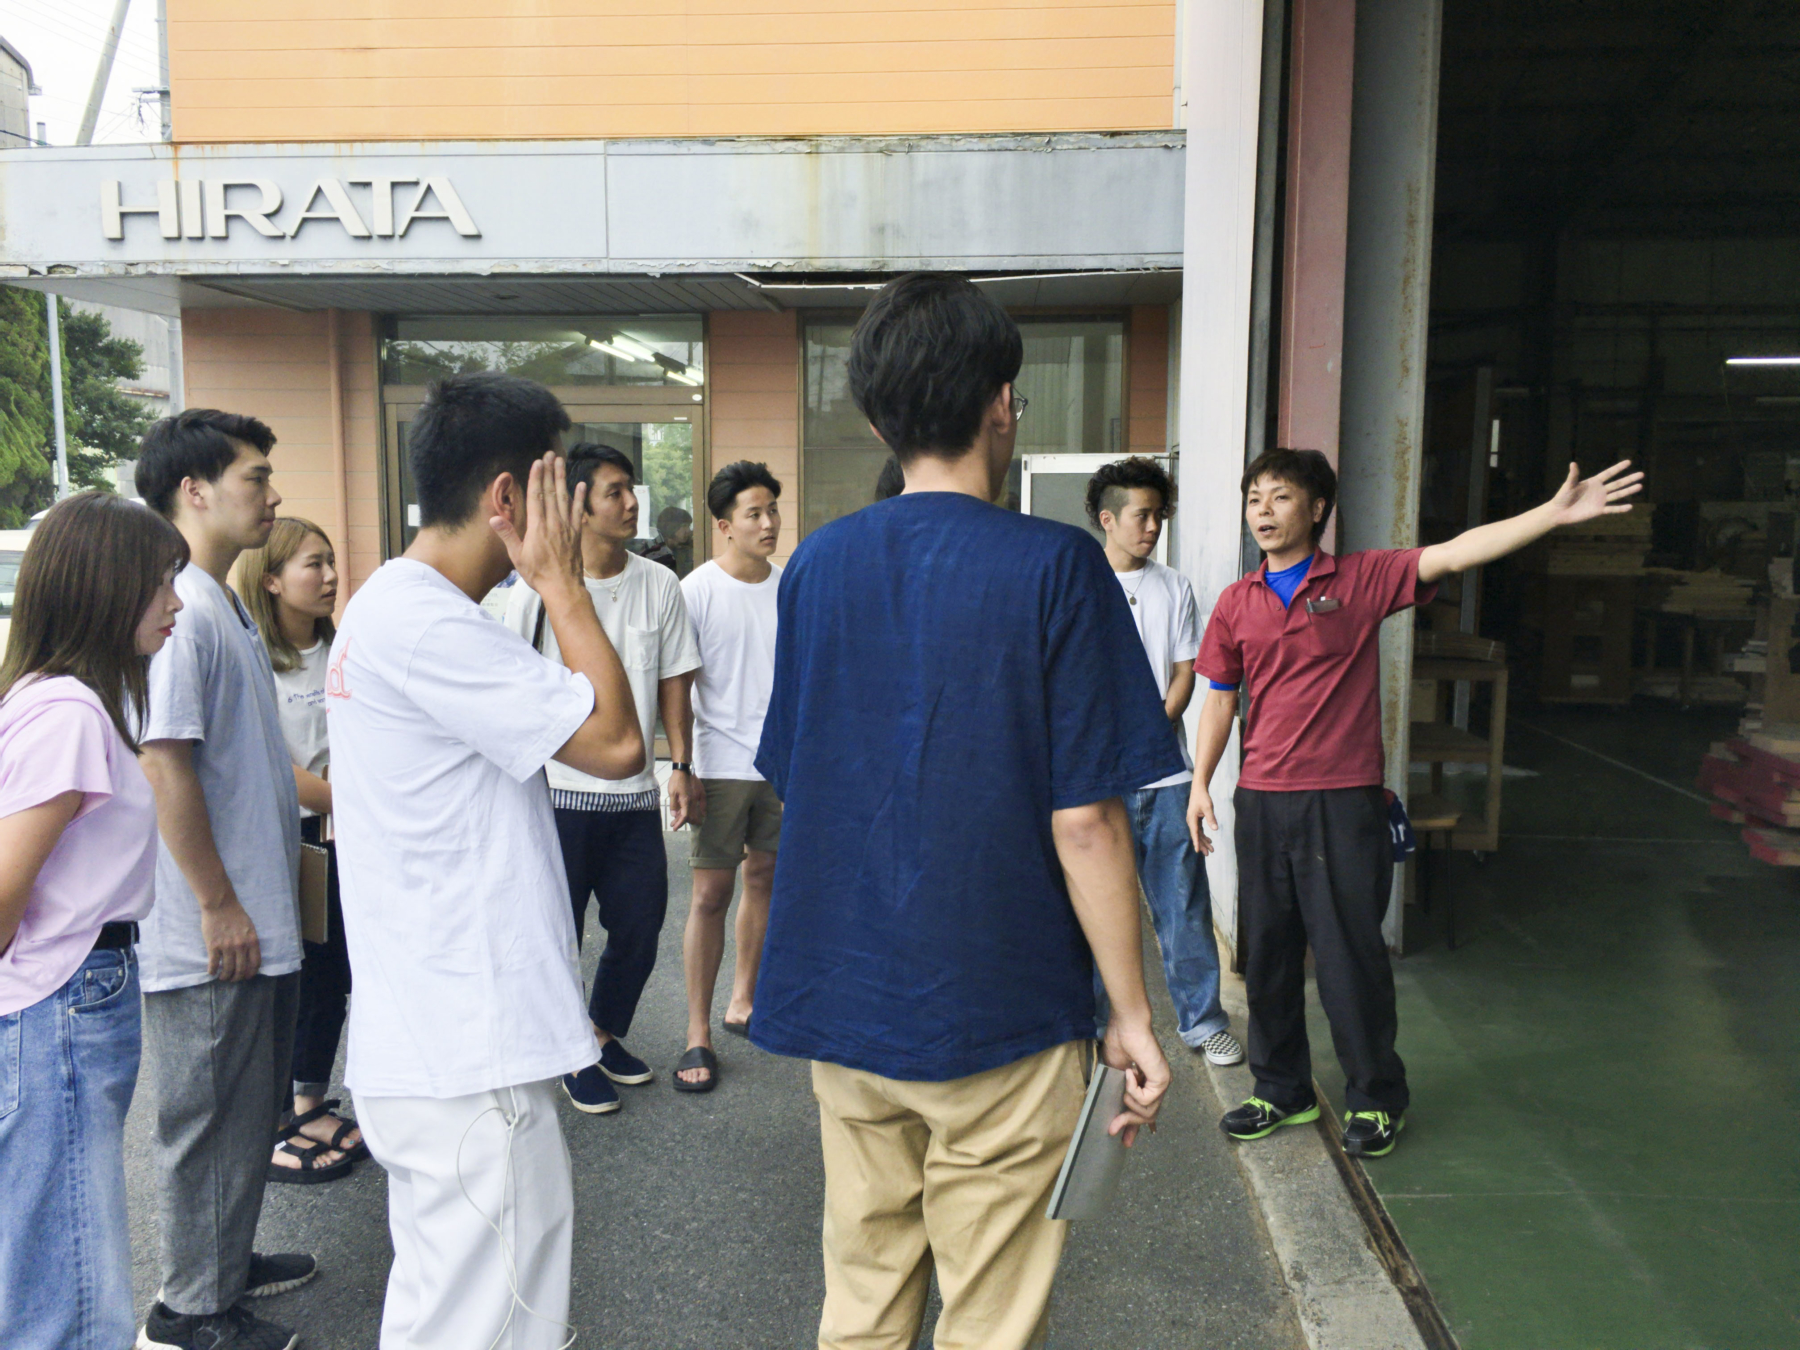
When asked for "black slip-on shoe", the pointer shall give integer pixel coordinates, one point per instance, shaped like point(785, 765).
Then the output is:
point(1256, 1118)
point(1371, 1134)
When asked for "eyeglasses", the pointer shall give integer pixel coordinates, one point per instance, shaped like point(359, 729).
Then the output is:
point(1019, 404)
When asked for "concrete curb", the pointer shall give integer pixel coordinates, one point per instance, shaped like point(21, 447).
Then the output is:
point(1344, 1296)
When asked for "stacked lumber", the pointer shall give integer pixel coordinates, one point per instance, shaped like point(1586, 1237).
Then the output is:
point(1712, 592)
point(1756, 779)
point(1608, 546)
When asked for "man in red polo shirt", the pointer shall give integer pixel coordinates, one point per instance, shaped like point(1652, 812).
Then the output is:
point(1315, 858)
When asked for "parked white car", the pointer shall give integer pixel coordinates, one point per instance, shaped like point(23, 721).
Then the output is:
point(12, 553)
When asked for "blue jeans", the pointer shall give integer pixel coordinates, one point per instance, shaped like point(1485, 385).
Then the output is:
point(68, 1065)
point(1174, 880)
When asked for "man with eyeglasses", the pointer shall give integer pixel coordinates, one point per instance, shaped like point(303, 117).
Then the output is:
point(951, 731)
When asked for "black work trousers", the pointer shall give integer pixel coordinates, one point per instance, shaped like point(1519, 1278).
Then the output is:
point(1316, 868)
point(324, 985)
point(619, 859)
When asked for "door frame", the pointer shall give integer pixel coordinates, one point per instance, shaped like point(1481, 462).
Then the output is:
point(584, 403)
point(1030, 465)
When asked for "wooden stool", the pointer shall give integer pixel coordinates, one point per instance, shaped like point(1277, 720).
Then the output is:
point(1433, 818)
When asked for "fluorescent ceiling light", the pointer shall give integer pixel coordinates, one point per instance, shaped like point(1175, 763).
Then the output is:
point(637, 350)
point(1762, 360)
point(686, 377)
point(610, 349)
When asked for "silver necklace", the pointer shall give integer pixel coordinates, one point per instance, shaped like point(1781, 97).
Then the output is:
point(1131, 591)
point(617, 582)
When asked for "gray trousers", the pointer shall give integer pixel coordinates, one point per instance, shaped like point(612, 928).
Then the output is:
point(220, 1056)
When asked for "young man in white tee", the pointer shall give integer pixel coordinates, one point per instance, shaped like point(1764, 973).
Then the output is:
point(611, 830)
point(1130, 501)
point(468, 1003)
point(221, 949)
point(731, 601)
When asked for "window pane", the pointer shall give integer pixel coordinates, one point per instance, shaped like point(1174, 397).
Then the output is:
point(618, 352)
point(842, 456)
point(1073, 374)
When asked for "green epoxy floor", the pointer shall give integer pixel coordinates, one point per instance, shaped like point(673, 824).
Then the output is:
point(1604, 1146)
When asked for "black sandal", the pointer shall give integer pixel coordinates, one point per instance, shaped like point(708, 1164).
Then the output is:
point(310, 1171)
point(354, 1153)
point(738, 1029)
point(697, 1057)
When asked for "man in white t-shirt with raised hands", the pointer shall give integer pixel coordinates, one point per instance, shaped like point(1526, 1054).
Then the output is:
point(468, 1003)
point(731, 601)
point(1129, 501)
point(611, 830)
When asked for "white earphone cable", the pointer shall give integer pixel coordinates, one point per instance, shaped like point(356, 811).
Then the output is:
point(512, 1275)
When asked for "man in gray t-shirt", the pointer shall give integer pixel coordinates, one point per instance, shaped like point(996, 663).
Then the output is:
point(221, 950)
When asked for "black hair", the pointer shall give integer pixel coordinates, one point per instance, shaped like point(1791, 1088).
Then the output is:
point(670, 519)
point(891, 482)
point(473, 428)
point(1307, 470)
point(1106, 489)
point(584, 461)
point(926, 359)
point(199, 443)
point(728, 482)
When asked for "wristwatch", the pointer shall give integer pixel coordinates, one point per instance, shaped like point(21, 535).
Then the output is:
point(676, 766)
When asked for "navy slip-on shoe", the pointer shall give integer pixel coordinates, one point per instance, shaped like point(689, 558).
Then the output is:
point(590, 1092)
point(620, 1065)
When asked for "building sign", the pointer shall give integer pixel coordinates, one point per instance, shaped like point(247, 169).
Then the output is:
point(203, 208)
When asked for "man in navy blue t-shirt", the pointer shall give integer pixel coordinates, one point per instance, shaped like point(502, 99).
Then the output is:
point(953, 723)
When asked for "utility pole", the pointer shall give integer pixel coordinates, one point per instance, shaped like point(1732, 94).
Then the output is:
point(56, 399)
point(102, 73)
point(162, 69)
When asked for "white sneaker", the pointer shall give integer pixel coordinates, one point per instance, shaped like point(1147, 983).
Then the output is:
point(1221, 1048)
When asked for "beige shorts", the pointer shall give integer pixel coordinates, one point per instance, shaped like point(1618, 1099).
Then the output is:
point(739, 815)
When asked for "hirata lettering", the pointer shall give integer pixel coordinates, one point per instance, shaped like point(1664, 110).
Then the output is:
point(204, 208)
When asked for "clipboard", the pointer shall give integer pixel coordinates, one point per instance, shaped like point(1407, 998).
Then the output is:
point(1091, 1167)
point(315, 877)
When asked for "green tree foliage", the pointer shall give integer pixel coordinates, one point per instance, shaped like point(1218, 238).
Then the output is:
point(104, 425)
point(25, 422)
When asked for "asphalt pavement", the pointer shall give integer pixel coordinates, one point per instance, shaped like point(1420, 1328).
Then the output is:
point(697, 1217)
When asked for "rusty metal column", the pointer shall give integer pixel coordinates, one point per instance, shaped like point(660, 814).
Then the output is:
point(1321, 70)
point(1387, 303)
point(1224, 79)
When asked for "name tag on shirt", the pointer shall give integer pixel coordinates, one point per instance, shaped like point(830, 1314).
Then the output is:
point(1323, 606)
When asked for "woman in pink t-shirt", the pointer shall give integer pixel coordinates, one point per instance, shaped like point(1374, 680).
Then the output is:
point(95, 599)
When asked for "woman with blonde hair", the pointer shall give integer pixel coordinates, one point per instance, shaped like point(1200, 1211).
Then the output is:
point(289, 585)
point(95, 600)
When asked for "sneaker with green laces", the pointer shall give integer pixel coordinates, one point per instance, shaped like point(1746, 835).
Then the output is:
point(1371, 1134)
point(1256, 1118)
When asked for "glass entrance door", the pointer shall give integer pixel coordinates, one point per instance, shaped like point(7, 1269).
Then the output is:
point(660, 431)
point(1055, 487)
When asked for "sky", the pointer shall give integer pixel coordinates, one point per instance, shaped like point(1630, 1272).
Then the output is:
point(61, 39)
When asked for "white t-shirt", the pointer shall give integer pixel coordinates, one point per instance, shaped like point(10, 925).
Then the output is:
point(455, 904)
point(1168, 621)
point(646, 621)
point(211, 684)
point(734, 623)
point(300, 700)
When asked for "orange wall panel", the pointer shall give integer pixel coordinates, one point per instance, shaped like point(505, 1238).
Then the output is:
point(276, 366)
point(487, 69)
point(1147, 381)
point(753, 380)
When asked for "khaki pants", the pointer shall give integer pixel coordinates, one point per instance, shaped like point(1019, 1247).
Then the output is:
point(958, 1174)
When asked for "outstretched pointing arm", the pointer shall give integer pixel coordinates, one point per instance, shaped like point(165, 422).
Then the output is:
point(1577, 500)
